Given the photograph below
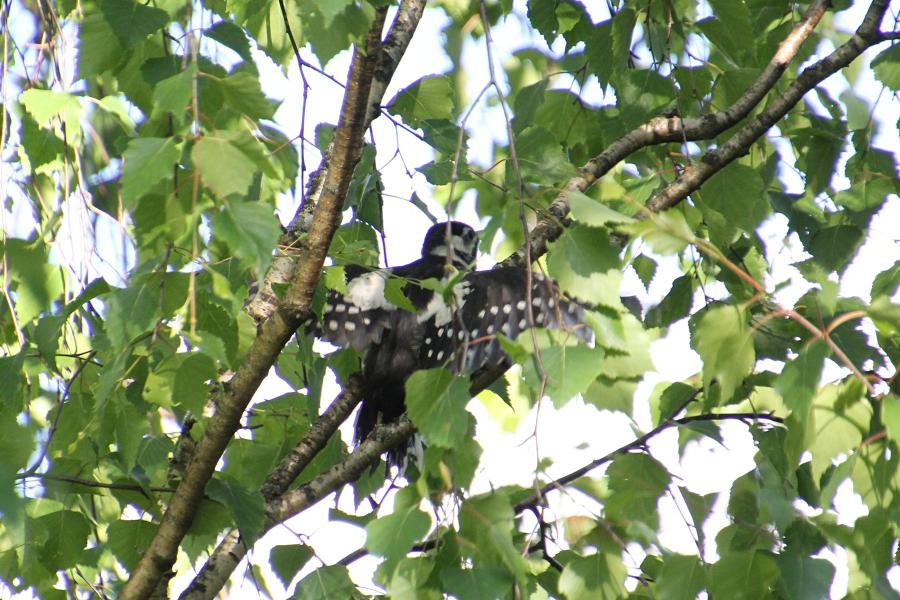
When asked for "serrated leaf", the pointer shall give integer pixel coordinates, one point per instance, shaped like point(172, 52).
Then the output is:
point(742, 576)
point(541, 158)
point(246, 506)
point(287, 560)
point(681, 578)
point(132, 21)
point(251, 230)
point(147, 162)
point(798, 381)
point(724, 342)
point(326, 583)
point(243, 93)
point(746, 211)
point(805, 578)
point(590, 212)
point(173, 94)
point(599, 575)
point(436, 404)
point(636, 482)
point(586, 265)
point(393, 535)
point(43, 105)
point(886, 67)
point(428, 98)
point(67, 536)
point(485, 531)
point(129, 539)
point(232, 36)
point(223, 167)
point(890, 416)
point(99, 48)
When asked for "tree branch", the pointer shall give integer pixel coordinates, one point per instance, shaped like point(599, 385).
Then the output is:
point(639, 442)
point(230, 551)
point(661, 130)
point(273, 334)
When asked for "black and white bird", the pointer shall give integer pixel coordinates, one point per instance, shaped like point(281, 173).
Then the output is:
point(457, 329)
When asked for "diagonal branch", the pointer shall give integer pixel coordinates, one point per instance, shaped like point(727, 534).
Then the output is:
point(273, 334)
point(662, 130)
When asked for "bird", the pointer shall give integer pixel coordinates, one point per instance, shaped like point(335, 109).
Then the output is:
point(457, 330)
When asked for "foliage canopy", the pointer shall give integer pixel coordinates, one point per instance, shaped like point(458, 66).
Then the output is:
point(695, 148)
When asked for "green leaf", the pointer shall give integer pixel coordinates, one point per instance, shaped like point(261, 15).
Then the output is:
point(67, 531)
point(586, 265)
point(243, 93)
point(43, 105)
point(666, 233)
point(485, 531)
point(742, 576)
point(681, 578)
point(129, 539)
point(724, 342)
point(230, 35)
point(570, 369)
point(393, 535)
point(841, 417)
point(428, 98)
point(675, 305)
point(147, 162)
point(36, 282)
point(436, 404)
point(223, 167)
point(480, 582)
point(599, 575)
point(886, 67)
point(541, 158)
point(287, 560)
point(246, 506)
point(250, 229)
point(132, 21)
point(803, 577)
point(332, 8)
point(636, 482)
point(799, 380)
point(132, 311)
point(835, 247)
point(890, 416)
point(326, 583)
point(542, 14)
point(590, 212)
point(99, 48)
point(745, 210)
point(173, 94)
point(192, 381)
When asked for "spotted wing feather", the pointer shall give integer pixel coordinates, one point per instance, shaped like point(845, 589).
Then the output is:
point(496, 303)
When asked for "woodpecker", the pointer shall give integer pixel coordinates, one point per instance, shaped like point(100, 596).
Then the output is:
point(456, 330)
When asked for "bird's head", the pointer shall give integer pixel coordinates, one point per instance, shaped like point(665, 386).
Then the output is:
point(461, 243)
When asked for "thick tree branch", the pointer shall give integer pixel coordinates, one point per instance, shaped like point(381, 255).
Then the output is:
point(230, 551)
point(661, 130)
point(692, 178)
point(388, 55)
point(273, 334)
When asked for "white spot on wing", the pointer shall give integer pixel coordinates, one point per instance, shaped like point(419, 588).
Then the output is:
point(333, 325)
point(520, 305)
point(507, 308)
point(522, 324)
point(349, 325)
point(494, 310)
